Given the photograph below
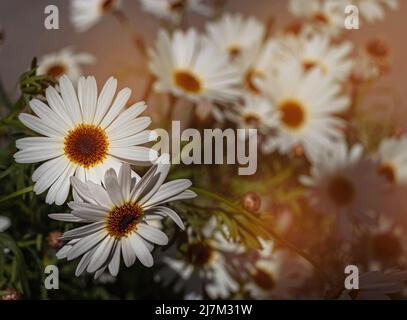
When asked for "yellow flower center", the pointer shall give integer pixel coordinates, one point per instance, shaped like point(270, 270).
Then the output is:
point(187, 81)
point(249, 81)
point(177, 5)
point(86, 145)
point(123, 220)
point(234, 52)
point(292, 114)
point(107, 6)
point(341, 191)
point(56, 70)
point(388, 172)
point(200, 254)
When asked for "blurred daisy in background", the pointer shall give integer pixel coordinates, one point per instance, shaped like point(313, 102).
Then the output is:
point(337, 185)
point(5, 223)
point(277, 275)
point(392, 155)
point(186, 67)
point(86, 13)
point(115, 218)
point(174, 10)
point(253, 113)
point(64, 62)
point(235, 34)
point(307, 104)
point(333, 60)
point(207, 259)
point(255, 62)
point(82, 135)
point(324, 16)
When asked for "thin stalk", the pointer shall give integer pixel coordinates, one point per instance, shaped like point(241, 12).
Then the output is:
point(16, 194)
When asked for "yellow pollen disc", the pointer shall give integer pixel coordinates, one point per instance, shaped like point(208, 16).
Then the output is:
point(264, 279)
point(86, 145)
point(251, 120)
point(292, 114)
point(177, 5)
point(234, 52)
point(377, 49)
point(200, 254)
point(56, 70)
point(341, 191)
point(388, 172)
point(249, 80)
point(123, 220)
point(321, 18)
point(107, 6)
point(187, 81)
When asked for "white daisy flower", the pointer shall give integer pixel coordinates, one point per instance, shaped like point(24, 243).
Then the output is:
point(373, 10)
point(254, 113)
point(392, 155)
point(326, 16)
point(86, 13)
point(255, 62)
point(173, 10)
point(307, 104)
point(116, 215)
point(187, 67)
point(234, 34)
point(82, 135)
point(64, 62)
point(207, 259)
point(344, 184)
point(5, 223)
point(277, 275)
point(376, 285)
point(319, 51)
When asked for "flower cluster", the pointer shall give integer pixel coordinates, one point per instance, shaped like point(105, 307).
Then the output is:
point(331, 181)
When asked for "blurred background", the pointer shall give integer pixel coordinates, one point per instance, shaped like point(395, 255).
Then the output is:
point(25, 37)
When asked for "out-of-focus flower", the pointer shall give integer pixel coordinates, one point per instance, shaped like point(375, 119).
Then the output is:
point(374, 60)
point(234, 35)
point(253, 113)
point(375, 285)
point(83, 135)
point(277, 275)
point(10, 294)
point(187, 67)
point(319, 52)
point(53, 239)
point(64, 62)
point(207, 258)
point(173, 10)
point(256, 61)
point(5, 223)
point(115, 217)
point(387, 245)
point(251, 202)
point(86, 13)
point(301, 99)
point(373, 10)
point(392, 154)
point(325, 16)
point(339, 179)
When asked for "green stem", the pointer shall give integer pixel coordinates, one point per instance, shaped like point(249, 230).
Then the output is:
point(272, 233)
point(16, 193)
